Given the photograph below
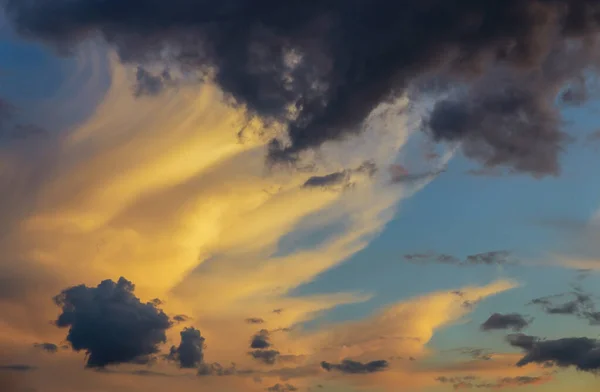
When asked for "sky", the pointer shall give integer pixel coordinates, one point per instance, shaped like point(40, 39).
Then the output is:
point(329, 196)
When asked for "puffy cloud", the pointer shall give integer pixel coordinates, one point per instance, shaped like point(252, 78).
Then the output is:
point(513, 321)
point(110, 323)
point(190, 352)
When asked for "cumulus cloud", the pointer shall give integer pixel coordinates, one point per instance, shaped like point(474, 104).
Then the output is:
point(110, 323)
point(265, 56)
point(355, 367)
point(190, 352)
point(513, 321)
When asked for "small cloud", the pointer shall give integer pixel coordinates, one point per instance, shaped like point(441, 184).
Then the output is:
point(354, 367)
point(48, 347)
point(260, 340)
point(513, 321)
point(190, 352)
point(180, 318)
point(268, 357)
point(254, 320)
point(282, 388)
point(18, 368)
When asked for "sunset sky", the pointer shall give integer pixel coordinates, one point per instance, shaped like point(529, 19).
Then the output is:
point(259, 196)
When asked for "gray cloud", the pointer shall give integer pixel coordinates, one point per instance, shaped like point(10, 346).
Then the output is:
point(282, 388)
point(354, 367)
point(48, 347)
point(513, 321)
point(260, 340)
point(216, 369)
point(190, 352)
point(343, 179)
point(505, 61)
point(110, 323)
point(581, 353)
point(180, 318)
point(254, 320)
point(499, 257)
point(469, 382)
point(580, 306)
point(18, 368)
point(268, 357)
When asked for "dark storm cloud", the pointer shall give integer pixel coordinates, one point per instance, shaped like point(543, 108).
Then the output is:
point(503, 61)
point(48, 347)
point(513, 321)
point(581, 353)
point(354, 367)
point(500, 257)
point(268, 357)
point(110, 323)
point(190, 352)
point(260, 340)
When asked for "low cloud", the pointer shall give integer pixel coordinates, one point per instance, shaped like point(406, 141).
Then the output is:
point(513, 321)
point(470, 382)
point(580, 306)
point(282, 388)
point(500, 257)
point(268, 357)
point(190, 352)
point(580, 352)
point(254, 320)
point(260, 340)
point(110, 323)
point(48, 347)
point(354, 367)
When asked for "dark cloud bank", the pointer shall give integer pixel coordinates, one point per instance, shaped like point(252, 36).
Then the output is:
point(498, 68)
